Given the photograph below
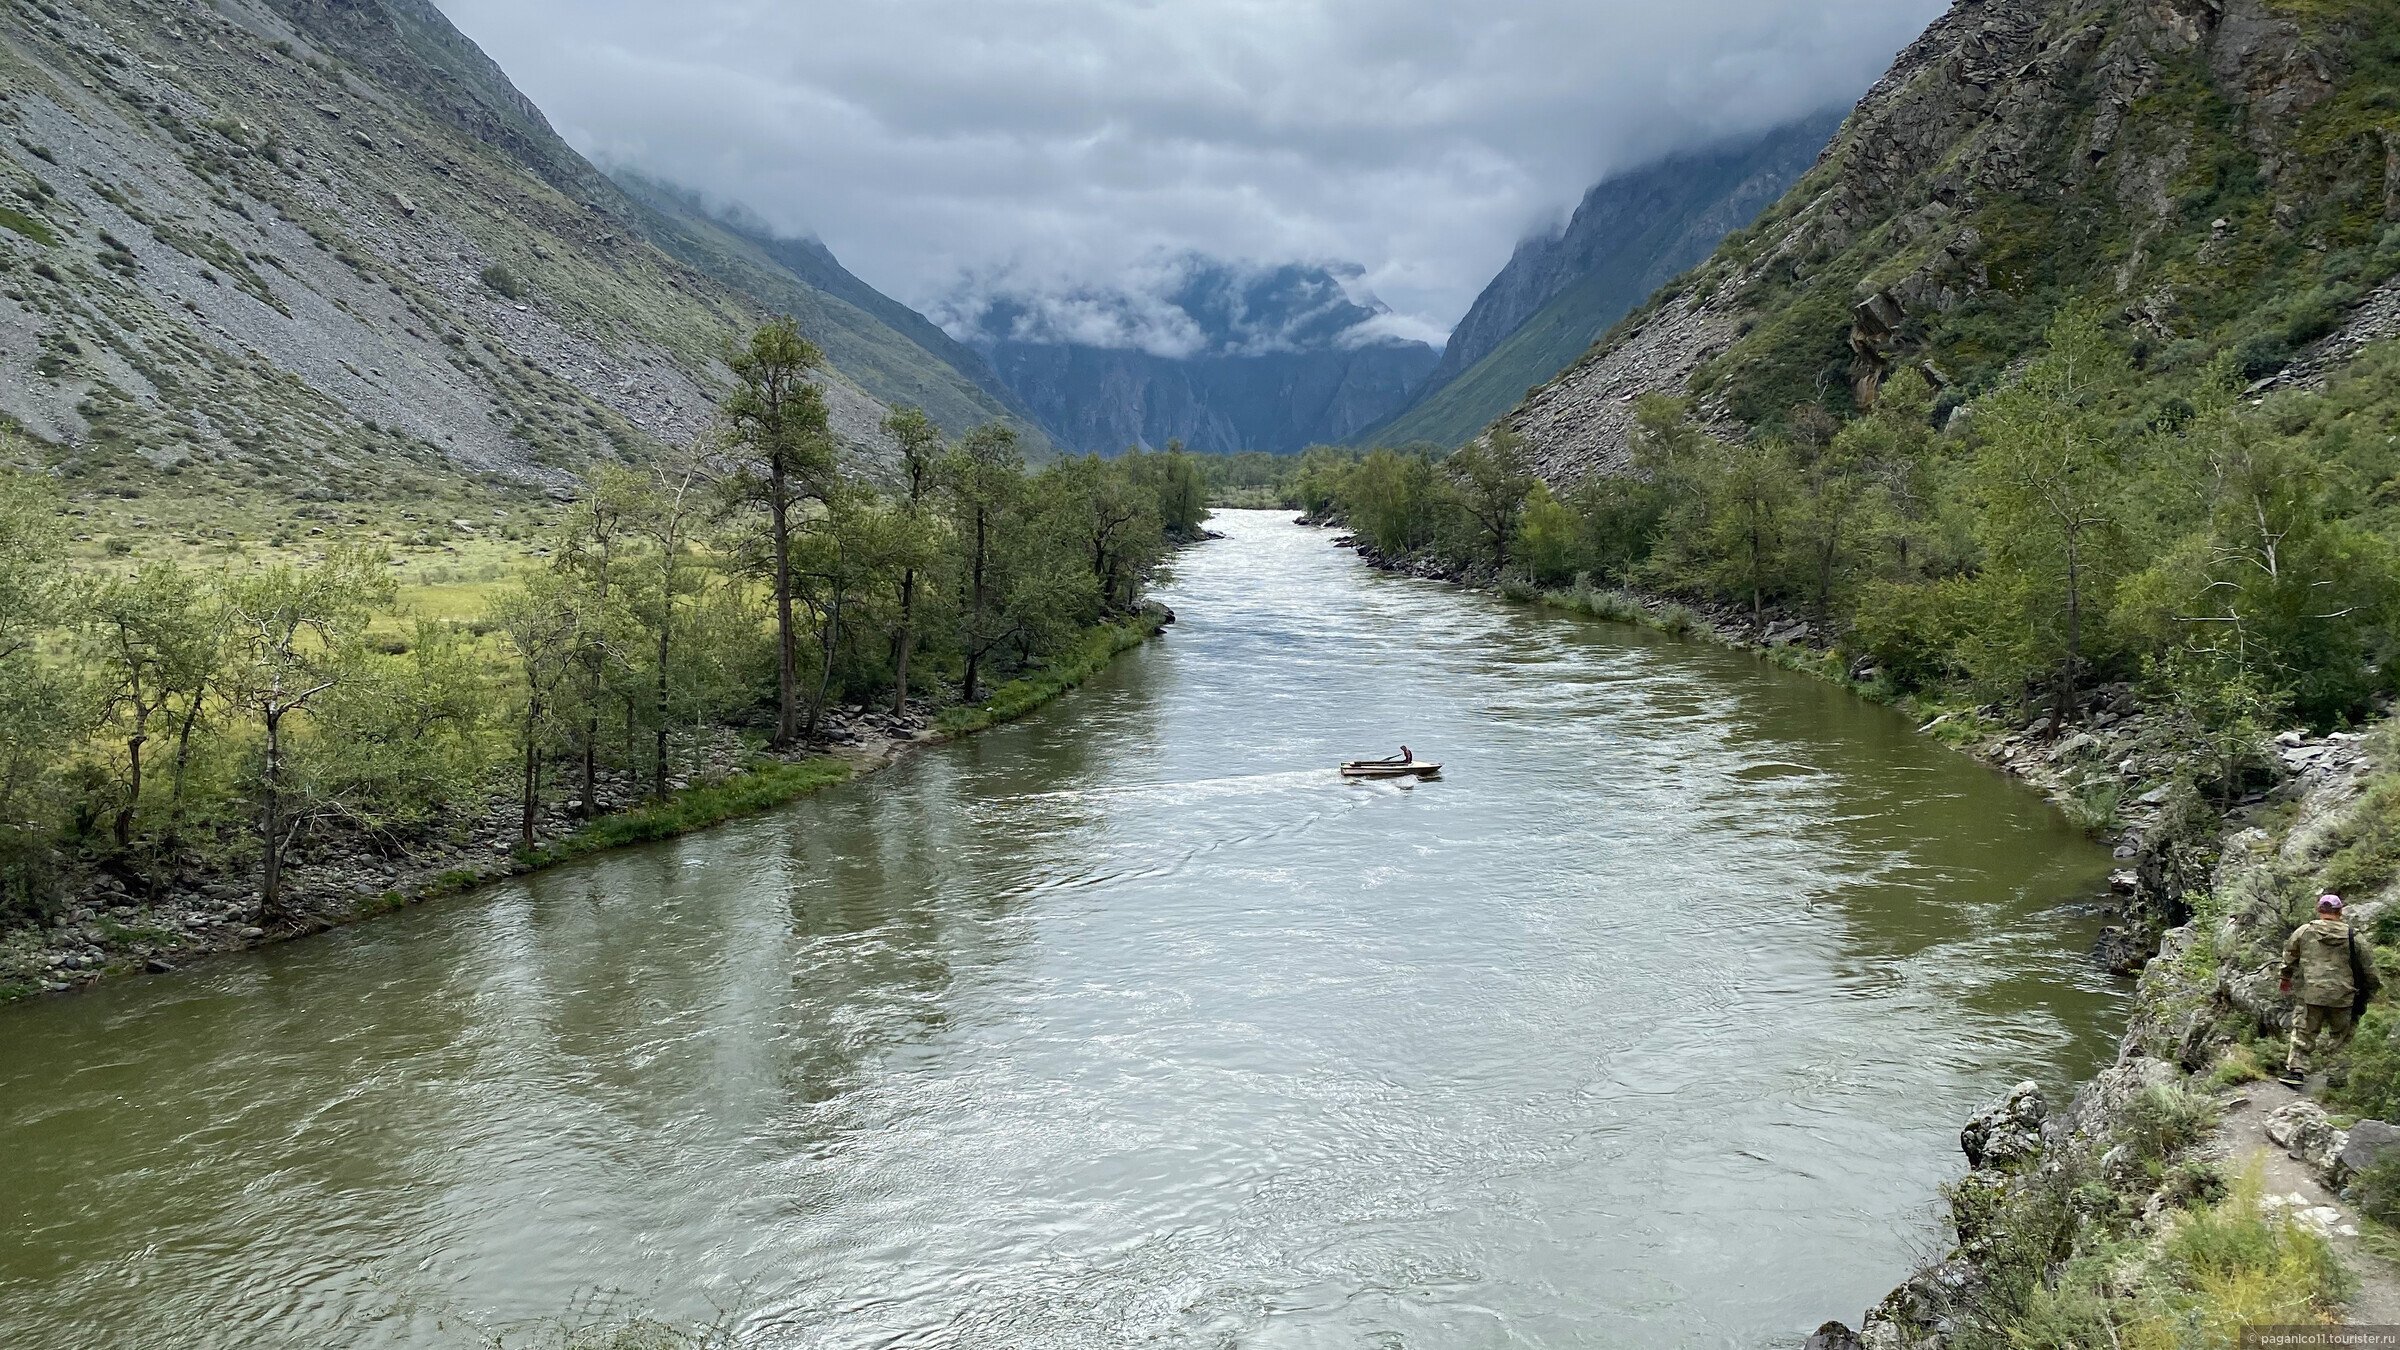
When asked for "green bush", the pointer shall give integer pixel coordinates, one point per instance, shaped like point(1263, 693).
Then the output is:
point(505, 282)
point(28, 226)
point(2164, 1120)
point(2262, 354)
point(2377, 1191)
point(2373, 1087)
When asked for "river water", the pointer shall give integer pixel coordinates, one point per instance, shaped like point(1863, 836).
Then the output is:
point(1651, 1024)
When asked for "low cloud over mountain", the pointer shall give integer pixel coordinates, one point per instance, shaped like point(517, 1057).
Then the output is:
point(1071, 144)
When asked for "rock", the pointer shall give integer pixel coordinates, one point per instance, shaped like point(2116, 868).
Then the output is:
point(2368, 1142)
point(2101, 1103)
point(253, 932)
point(2007, 1133)
point(158, 967)
point(2303, 1130)
point(2073, 745)
point(1833, 1336)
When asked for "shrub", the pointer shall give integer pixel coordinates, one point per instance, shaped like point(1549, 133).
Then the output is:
point(2245, 1266)
point(2165, 1120)
point(2373, 1087)
point(2377, 1191)
point(505, 282)
point(28, 226)
point(2262, 354)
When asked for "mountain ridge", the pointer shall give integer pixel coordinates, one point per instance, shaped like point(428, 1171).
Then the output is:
point(319, 248)
point(1630, 234)
point(2207, 169)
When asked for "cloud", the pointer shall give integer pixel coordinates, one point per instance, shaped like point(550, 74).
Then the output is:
point(1179, 305)
point(1071, 144)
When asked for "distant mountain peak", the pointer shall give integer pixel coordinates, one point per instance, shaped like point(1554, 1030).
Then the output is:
point(1181, 306)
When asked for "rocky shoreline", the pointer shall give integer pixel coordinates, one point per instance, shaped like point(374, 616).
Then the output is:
point(340, 878)
point(2195, 916)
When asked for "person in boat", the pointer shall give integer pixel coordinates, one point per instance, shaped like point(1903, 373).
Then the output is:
point(2336, 978)
point(1407, 756)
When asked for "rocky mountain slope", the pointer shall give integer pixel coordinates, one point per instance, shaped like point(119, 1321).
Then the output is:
point(264, 248)
point(2217, 172)
point(1228, 359)
point(1630, 235)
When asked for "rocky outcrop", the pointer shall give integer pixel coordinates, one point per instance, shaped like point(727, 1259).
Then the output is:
point(2008, 1132)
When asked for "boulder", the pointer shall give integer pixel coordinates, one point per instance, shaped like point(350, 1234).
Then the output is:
point(2303, 1130)
point(2100, 1104)
point(2008, 1132)
point(1832, 1336)
point(2368, 1143)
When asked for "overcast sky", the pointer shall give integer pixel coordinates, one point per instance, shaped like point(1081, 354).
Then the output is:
point(1052, 145)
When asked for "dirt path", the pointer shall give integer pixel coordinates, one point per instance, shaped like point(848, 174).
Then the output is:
point(2243, 1137)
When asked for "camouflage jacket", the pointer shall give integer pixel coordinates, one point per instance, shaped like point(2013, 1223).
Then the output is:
point(2318, 957)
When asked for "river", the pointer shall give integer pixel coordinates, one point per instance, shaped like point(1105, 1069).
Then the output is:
point(1651, 1023)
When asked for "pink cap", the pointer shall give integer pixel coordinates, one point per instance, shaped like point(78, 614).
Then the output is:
point(2329, 901)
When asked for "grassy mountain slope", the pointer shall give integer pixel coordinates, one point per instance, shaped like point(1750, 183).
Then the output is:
point(2221, 176)
point(1630, 235)
point(256, 251)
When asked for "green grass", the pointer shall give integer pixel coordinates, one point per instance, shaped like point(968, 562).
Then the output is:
point(768, 784)
point(1020, 696)
point(29, 226)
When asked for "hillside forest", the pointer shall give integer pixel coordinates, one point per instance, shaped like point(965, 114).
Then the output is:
point(2102, 515)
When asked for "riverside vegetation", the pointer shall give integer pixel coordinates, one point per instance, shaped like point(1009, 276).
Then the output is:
point(2093, 542)
point(192, 756)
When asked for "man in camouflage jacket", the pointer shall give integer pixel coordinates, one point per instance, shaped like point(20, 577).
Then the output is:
point(2335, 972)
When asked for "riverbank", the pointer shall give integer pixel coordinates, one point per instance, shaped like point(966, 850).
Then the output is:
point(105, 931)
point(2077, 1227)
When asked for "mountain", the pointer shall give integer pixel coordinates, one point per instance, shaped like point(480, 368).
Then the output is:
point(2221, 175)
point(1222, 358)
point(868, 336)
point(1630, 235)
point(264, 248)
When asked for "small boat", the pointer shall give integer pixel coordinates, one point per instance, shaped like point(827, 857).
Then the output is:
point(1391, 768)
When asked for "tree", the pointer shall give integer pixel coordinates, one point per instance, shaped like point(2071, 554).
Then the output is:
point(2275, 597)
point(1743, 533)
point(1493, 478)
point(666, 513)
point(1106, 508)
point(2048, 478)
point(779, 429)
point(1388, 497)
point(1550, 540)
point(590, 543)
point(395, 748)
point(150, 637)
point(33, 695)
point(920, 443)
point(838, 556)
point(984, 477)
point(294, 633)
point(543, 622)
